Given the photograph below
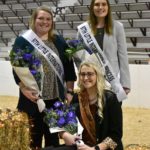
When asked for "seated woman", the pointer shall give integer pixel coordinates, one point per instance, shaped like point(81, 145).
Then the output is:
point(98, 111)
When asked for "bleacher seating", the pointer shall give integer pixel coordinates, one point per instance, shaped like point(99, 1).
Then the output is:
point(134, 14)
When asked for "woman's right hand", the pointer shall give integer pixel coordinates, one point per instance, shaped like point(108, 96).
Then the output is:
point(29, 93)
point(68, 138)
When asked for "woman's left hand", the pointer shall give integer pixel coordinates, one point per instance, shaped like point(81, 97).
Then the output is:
point(127, 90)
point(69, 98)
point(84, 147)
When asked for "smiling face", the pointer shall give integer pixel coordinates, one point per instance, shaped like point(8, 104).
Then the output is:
point(100, 8)
point(43, 23)
point(87, 77)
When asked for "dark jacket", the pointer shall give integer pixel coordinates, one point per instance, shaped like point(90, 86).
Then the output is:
point(111, 124)
point(25, 104)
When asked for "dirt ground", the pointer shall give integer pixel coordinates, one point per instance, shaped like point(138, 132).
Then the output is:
point(136, 122)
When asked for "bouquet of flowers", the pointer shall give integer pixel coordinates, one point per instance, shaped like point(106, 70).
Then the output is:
point(28, 68)
point(61, 117)
point(75, 46)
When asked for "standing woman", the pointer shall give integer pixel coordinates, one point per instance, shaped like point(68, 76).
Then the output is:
point(110, 37)
point(43, 26)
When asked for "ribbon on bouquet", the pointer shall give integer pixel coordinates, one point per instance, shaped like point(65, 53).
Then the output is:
point(90, 41)
point(51, 57)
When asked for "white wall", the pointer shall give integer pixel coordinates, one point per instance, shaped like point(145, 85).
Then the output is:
point(140, 90)
point(140, 82)
point(7, 83)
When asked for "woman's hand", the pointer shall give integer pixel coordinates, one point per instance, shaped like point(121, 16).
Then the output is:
point(29, 93)
point(69, 98)
point(68, 138)
point(84, 147)
point(102, 146)
point(127, 90)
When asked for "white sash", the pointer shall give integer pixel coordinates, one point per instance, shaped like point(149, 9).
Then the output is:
point(52, 59)
point(91, 42)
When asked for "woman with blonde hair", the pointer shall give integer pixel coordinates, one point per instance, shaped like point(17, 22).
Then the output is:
point(99, 113)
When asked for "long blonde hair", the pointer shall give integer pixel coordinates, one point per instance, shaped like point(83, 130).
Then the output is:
point(108, 19)
point(100, 84)
point(34, 16)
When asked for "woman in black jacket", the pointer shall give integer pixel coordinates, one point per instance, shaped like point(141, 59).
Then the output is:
point(98, 111)
point(42, 25)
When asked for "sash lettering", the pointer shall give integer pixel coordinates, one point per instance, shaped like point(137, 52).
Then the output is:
point(52, 59)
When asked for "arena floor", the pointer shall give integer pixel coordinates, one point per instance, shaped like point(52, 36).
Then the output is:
point(136, 122)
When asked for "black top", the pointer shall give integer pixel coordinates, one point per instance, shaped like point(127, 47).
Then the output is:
point(111, 123)
point(100, 36)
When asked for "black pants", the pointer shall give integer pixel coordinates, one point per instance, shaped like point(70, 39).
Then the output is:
point(40, 129)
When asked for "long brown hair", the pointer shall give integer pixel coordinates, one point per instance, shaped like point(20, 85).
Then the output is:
point(34, 16)
point(108, 19)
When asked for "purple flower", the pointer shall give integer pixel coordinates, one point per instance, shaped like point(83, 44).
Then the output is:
point(73, 43)
point(60, 113)
point(27, 57)
point(34, 72)
point(17, 50)
point(61, 122)
point(70, 114)
point(57, 104)
point(36, 62)
point(72, 121)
